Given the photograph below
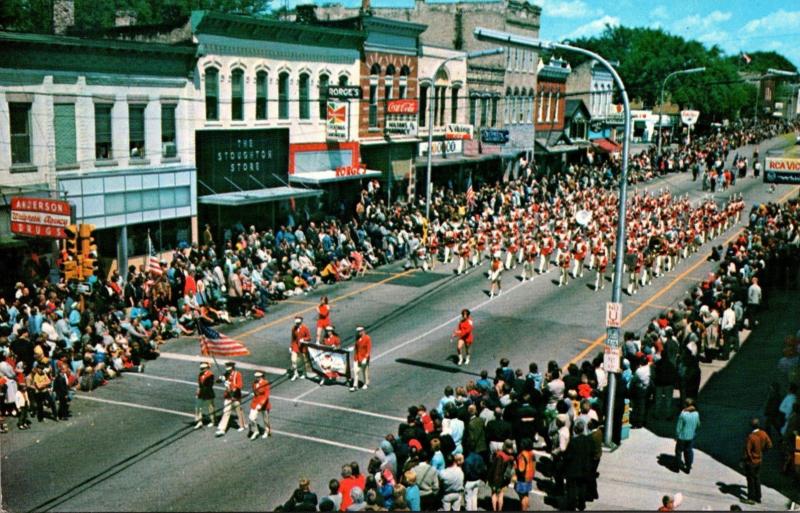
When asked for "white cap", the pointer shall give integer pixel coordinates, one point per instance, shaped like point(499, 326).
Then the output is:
point(258, 374)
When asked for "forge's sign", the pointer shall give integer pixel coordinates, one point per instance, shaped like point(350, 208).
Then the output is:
point(39, 217)
point(782, 170)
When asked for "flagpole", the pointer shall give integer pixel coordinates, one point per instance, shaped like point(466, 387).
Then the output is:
point(209, 353)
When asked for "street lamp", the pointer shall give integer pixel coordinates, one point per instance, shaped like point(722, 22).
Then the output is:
point(612, 337)
point(431, 107)
point(661, 101)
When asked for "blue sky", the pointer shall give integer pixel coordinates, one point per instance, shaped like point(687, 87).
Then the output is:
point(734, 25)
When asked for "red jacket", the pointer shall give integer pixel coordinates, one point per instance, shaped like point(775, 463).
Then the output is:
point(260, 395)
point(465, 330)
point(234, 388)
point(324, 313)
point(300, 333)
point(332, 340)
point(363, 347)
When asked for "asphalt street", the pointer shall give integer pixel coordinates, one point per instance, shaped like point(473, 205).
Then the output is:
point(130, 445)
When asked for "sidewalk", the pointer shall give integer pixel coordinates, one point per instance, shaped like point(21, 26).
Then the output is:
point(637, 475)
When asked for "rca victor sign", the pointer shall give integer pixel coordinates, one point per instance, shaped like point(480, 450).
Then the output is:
point(40, 217)
point(782, 170)
point(404, 106)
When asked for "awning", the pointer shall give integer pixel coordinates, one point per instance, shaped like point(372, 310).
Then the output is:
point(241, 198)
point(461, 159)
point(322, 177)
point(607, 145)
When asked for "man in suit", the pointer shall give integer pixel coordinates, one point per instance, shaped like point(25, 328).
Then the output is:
point(578, 465)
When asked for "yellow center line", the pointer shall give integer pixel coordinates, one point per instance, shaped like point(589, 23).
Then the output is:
point(659, 307)
point(312, 308)
point(599, 340)
point(298, 302)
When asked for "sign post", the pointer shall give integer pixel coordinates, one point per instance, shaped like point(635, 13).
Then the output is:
point(612, 357)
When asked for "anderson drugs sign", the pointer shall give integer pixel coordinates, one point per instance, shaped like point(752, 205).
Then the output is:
point(782, 170)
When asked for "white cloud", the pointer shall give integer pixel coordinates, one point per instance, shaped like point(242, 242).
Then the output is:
point(715, 37)
point(693, 24)
point(659, 13)
point(567, 8)
point(777, 21)
point(594, 27)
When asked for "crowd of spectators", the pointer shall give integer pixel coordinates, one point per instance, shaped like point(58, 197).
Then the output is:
point(56, 338)
point(523, 430)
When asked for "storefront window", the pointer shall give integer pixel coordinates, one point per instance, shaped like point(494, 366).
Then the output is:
point(374, 72)
point(237, 95)
point(404, 72)
point(212, 94)
point(136, 131)
point(262, 82)
point(20, 118)
point(305, 100)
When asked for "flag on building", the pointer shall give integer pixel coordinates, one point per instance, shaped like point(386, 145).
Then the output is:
point(153, 265)
point(214, 343)
point(470, 193)
point(746, 58)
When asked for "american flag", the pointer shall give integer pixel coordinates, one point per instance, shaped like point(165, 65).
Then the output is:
point(214, 343)
point(746, 58)
point(470, 193)
point(153, 265)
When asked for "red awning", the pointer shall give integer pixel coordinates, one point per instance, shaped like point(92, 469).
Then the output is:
point(607, 145)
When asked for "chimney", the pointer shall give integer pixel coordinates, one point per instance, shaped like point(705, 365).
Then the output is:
point(63, 15)
point(125, 18)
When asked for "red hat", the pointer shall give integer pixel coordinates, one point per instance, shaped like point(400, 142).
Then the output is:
point(414, 444)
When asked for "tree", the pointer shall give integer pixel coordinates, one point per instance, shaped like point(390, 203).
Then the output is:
point(762, 61)
point(647, 56)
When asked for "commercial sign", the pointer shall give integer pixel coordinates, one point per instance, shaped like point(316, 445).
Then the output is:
point(613, 315)
point(401, 127)
point(442, 148)
point(350, 171)
point(612, 357)
point(336, 124)
point(491, 136)
point(40, 217)
point(458, 131)
point(689, 117)
point(238, 160)
point(782, 170)
point(404, 106)
point(344, 92)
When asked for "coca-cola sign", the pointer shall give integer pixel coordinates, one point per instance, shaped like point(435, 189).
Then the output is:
point(404, 106)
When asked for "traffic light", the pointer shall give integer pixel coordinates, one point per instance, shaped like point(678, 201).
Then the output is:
point(87, 241)
point(71, 270)
point(72, 241)
point(88, 260)
point(88, 267)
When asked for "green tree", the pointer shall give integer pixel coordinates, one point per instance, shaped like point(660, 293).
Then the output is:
point(646, 56)
point(762, 61)
point(26, 15)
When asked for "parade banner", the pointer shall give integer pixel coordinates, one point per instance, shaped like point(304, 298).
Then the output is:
point(336, 124)
point(782, 170)
point(40, 217)
point(327, 360)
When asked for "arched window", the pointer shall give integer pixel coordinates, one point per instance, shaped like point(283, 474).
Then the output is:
point(423, 105)
point(305, 100)
point(212, 93)
point(262, 93)
point(374, 73)
point(515, 106)
point(403, 87)
point(324, 81)
point(440, 96)
point(454, 99)
point(541, 106)
point(237, 94)
point(507, 107)
point(388, 82)
point(555, 112)
point(343, 80)
point(283, 95)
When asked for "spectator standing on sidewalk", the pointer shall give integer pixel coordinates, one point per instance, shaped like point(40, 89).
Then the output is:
point(685, 433)
point(753, 302)
point(757, 442)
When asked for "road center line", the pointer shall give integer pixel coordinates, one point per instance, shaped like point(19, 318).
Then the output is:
point(243, 365)
point(601, 339)
point(352, 293)
point(189, 415)
point(281, 398)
